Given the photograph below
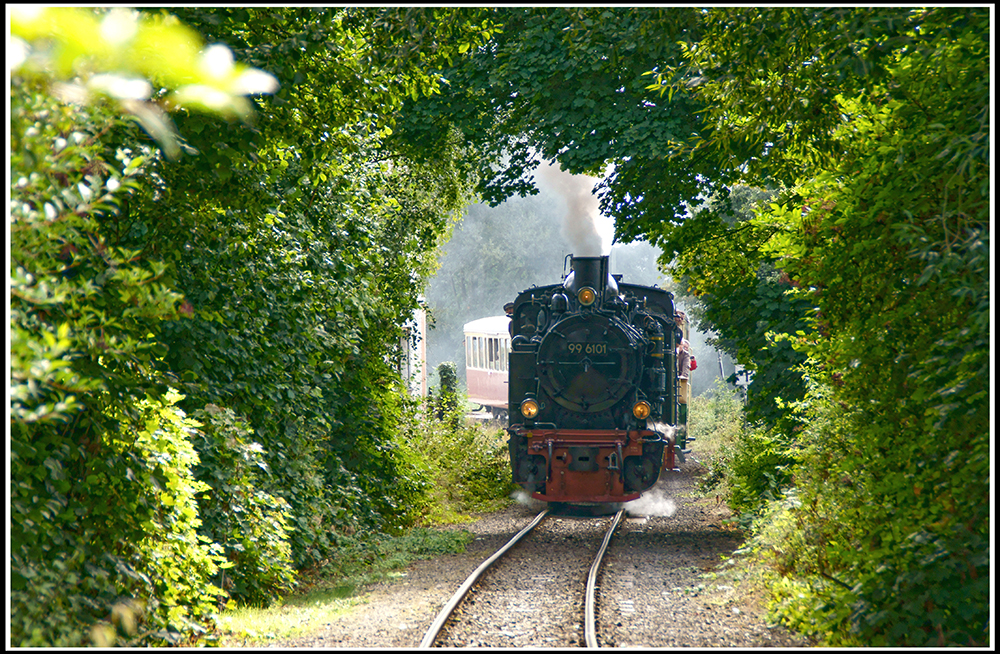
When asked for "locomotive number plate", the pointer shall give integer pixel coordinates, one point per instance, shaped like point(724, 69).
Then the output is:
point(588, 348)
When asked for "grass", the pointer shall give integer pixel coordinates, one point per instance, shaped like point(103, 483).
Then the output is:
point(298, 614)
point(337, 587)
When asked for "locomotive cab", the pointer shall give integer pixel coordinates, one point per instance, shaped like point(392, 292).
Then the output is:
point(592, 386)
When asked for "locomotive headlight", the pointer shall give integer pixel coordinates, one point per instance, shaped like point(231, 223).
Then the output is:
point(529, 408)
point(641, 410)
point(586, 296)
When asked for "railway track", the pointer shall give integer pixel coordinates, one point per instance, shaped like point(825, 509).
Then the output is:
point(590, 595)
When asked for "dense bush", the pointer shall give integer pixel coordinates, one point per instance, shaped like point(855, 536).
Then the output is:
point(869, 551)
point(391, 482)
point(748, 464)
point(446, 402)
point(303, 245)
point(756, 470)
point(745, 302)
point(466, 463)
point(249, 524)
point(879, 154)
point(96, 512)
point(173, 561)
point(715, 418)
point(117, 539)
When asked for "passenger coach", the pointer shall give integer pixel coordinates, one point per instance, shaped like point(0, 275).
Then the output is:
point(487, 346)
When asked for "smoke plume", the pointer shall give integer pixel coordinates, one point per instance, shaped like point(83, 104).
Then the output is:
point(588, 232)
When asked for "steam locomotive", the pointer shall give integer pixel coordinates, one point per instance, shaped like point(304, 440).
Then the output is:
point(593, 392)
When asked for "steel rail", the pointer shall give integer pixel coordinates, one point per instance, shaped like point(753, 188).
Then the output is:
point(589, 627)
point(456, 599)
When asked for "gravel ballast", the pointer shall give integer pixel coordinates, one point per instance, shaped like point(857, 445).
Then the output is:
point(656, 588)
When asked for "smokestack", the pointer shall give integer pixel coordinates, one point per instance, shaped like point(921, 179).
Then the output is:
point(593, 272)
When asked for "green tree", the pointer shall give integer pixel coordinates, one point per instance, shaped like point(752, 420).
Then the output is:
point(873, 124)
point(265, 269)
point(103, 515)
point(742, 296)
point(567, 85)
point(303, 242)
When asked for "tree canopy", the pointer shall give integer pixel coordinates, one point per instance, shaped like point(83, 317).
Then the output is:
point(819, 177)
point(872, 126)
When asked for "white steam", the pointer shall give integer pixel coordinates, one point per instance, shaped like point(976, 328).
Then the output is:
point(524, 498)
point(588, 232)
point(653, 502)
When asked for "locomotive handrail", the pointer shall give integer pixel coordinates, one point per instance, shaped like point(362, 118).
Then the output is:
point(546, 427)
point(578, 362)
point(542, 425)
point(563, 443)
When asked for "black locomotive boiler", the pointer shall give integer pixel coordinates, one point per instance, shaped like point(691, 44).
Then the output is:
point(592, 386)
